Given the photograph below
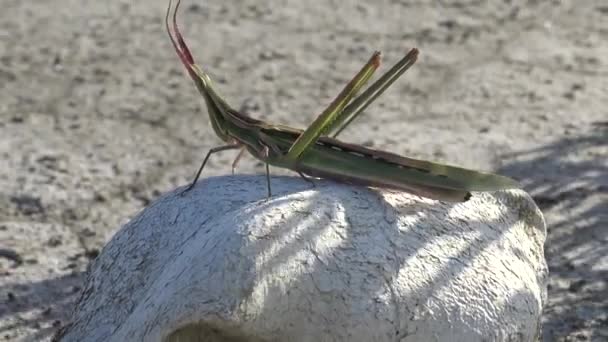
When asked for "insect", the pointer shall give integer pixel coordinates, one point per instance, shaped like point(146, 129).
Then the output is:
point(311, 152)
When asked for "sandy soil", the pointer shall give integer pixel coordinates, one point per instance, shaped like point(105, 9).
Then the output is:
point(97, 118)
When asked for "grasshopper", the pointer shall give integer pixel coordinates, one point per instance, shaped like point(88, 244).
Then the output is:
point(312, 152)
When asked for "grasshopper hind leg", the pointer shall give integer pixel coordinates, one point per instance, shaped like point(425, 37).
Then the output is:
point(308, 179)
point(211, 151)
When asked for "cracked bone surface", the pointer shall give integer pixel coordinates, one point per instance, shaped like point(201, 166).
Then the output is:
point(329, 263)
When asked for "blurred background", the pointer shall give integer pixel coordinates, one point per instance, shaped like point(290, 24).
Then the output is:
point(98, 118)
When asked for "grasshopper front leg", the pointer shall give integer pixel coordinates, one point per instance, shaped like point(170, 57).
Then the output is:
point(232, 146)
point(238, 158)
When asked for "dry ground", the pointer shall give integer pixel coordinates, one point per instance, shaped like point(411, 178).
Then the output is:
point(97, 118)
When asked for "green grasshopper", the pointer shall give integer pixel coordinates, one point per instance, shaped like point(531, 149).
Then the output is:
point(313, 153)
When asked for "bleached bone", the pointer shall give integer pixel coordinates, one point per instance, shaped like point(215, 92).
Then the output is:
point(330, 263)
